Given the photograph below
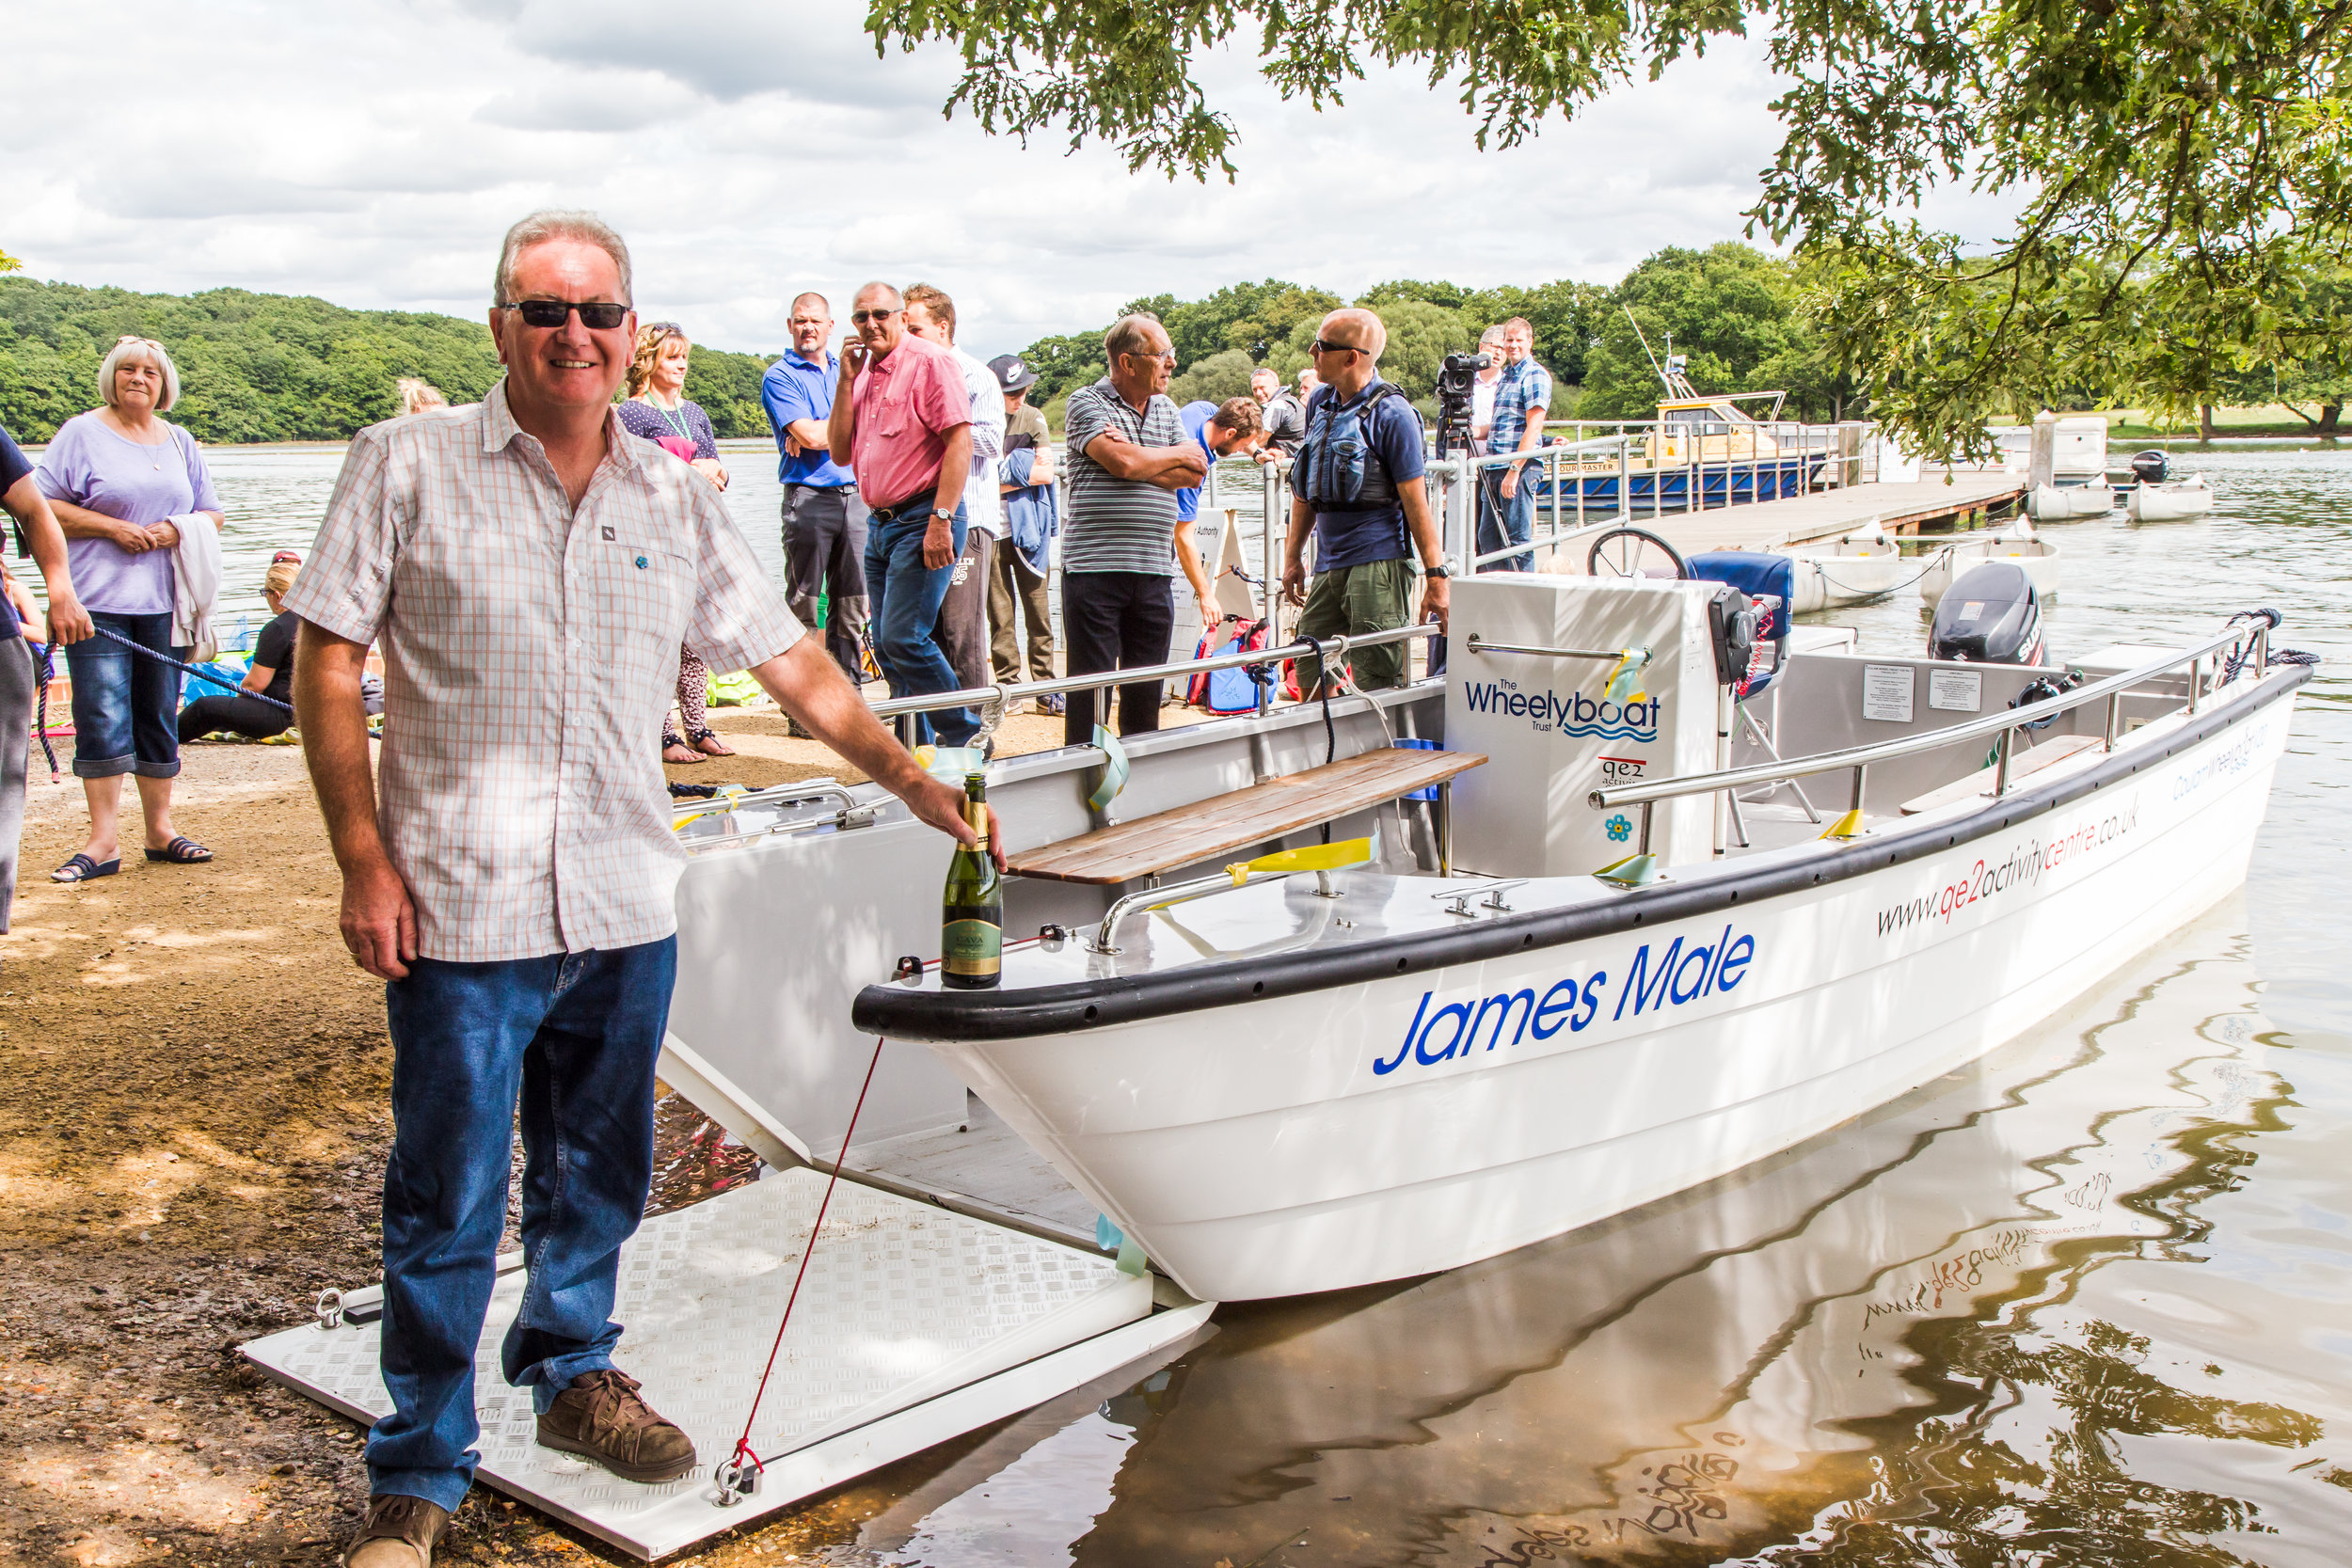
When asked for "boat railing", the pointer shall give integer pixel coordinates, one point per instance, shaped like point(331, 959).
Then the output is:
point(2004, 726)
point(994, 700)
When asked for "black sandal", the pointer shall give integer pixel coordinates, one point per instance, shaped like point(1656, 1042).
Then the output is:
point(81, 868)
point(669, 740)
point(696, 738)
point(181, 851)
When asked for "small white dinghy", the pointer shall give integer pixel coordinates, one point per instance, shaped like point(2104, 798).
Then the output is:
point(1831, 574)
point(2018, 543)
point(2181, 500)
point(2070, 503)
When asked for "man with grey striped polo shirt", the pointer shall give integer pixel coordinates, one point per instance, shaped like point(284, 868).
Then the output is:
point(1128, 456)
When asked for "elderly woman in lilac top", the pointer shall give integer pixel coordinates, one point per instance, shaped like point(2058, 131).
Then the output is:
point(117, 477)
point(658, 409)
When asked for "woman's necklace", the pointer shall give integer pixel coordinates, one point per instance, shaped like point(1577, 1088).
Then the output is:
point(676, 419)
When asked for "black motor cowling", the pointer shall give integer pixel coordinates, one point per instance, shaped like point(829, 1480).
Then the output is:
point(2150, 467)
point(1991, 615)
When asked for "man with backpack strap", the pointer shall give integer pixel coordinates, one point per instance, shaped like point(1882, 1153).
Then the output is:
point(1356, 483)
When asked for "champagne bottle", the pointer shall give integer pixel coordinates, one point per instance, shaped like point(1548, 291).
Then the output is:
point(972, 913)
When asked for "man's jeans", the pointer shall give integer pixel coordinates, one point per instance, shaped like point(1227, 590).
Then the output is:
point(905, 595)
point(574, 1037)
point(1504, 522)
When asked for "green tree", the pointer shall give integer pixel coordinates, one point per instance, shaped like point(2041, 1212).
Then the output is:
point(1735, 314)
point(1214, 379)
point(2176, 171)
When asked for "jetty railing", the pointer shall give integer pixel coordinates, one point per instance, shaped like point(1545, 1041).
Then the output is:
point(2005, 725)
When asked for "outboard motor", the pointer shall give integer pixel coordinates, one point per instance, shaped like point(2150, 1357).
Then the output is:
point(1990, 616)
point(2150, 467)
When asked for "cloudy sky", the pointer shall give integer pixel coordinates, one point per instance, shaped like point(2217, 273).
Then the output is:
point(371, 151)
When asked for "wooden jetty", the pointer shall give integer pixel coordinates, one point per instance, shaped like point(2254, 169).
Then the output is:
point(1961, 500)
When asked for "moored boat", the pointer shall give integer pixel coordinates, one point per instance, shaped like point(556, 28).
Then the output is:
point(2175, 502)
point(2039, 558)
point(1278, 1085)
point(1862, 566)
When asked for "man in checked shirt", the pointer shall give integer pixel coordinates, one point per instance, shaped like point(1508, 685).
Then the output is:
point(530, 570)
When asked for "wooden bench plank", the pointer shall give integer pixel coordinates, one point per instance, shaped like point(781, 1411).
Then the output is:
point(2021, 766)
point(1180, 836)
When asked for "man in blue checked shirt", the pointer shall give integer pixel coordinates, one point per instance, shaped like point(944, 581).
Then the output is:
point(1506, 494)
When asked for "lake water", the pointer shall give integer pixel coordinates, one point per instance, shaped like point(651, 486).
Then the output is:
point(2085, 1302)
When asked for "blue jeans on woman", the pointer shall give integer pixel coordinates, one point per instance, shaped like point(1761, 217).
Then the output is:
point(574, 1038)
point(126, 708)
point(904, 596)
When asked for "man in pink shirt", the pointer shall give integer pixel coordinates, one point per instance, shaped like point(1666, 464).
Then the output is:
point(902, 419)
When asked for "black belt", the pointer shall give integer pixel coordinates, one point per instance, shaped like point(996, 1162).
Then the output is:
point(892, 514)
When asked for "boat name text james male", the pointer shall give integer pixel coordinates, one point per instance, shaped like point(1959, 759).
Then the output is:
point(1675, 978)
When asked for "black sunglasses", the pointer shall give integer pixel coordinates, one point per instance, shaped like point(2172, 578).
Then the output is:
point(862, 317)
point(1325, 345)
point(552, 313)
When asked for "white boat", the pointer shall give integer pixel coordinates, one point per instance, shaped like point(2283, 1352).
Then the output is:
point(2067, 468)
point(2038, 556)
point(2181, 500)
point(1862, 566)
point(1285, 1088)
point(2070, 503)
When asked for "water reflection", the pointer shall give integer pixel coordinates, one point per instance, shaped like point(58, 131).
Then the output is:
point(2021, 1314)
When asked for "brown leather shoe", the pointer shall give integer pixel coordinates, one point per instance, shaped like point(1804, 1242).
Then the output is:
point(398, 1533)
point(600, 1417)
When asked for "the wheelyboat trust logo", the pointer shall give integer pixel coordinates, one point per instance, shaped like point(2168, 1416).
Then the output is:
point(1578, 713)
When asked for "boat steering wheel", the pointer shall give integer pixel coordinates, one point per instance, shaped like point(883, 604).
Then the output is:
point(1634, 552)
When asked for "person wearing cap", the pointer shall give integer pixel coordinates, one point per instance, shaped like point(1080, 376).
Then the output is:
point(1025, 479)
point(270, 674)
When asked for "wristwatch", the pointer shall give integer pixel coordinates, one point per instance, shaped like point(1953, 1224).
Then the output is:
point(948, 518)
point(1444, 568)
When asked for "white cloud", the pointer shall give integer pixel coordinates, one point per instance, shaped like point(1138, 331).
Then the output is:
point(372, 152)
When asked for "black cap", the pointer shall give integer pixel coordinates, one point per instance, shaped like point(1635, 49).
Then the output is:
point(1011, 374)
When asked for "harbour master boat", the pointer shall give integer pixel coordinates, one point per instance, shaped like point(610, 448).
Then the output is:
point(1643, 887)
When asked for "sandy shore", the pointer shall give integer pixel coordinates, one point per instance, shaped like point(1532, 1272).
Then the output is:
point(193, 1123)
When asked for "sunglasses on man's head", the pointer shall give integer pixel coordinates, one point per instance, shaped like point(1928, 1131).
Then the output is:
point(282, 556)
point(862, 317)
point(551, 313)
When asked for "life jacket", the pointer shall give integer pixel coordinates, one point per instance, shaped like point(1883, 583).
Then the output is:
point(1233, 690)
point(1337, 468)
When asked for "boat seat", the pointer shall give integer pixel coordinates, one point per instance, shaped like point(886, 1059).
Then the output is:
point(2024, 765)
point(1130, 852)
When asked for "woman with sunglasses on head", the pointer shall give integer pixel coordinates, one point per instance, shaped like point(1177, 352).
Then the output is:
point(121, 481)
point(658, 410)
point(271, 673)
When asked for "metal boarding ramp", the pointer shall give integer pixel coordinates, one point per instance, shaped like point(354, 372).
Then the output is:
point(934, 1304)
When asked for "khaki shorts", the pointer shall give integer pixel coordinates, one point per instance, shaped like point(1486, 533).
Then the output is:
point(1350, 601)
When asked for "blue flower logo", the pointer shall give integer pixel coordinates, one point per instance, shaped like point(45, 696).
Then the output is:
point(1620, 828)
point(640, 562)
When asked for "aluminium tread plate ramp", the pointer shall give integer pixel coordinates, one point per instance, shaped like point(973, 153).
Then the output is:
point(915, 1324)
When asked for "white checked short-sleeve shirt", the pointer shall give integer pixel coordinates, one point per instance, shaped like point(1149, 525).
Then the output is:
point(530, 651)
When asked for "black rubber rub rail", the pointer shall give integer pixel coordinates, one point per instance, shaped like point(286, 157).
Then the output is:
point(903, 1013)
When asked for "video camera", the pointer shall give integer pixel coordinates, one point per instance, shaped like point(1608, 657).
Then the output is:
point(1456, 374)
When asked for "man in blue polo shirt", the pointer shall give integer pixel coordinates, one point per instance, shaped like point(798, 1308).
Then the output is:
point(824, 521)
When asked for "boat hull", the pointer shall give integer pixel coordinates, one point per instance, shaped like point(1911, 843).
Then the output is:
point(2062, 503)
point(2038, 557)
point(1265, 1150)
point(1828, 578)
point(2169, 503)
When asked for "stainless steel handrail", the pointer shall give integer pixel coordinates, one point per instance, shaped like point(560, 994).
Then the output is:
point(1999, 723)
point(974, 696)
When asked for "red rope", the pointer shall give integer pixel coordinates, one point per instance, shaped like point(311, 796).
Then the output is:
point(744, 1444)
point(743, 1453)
